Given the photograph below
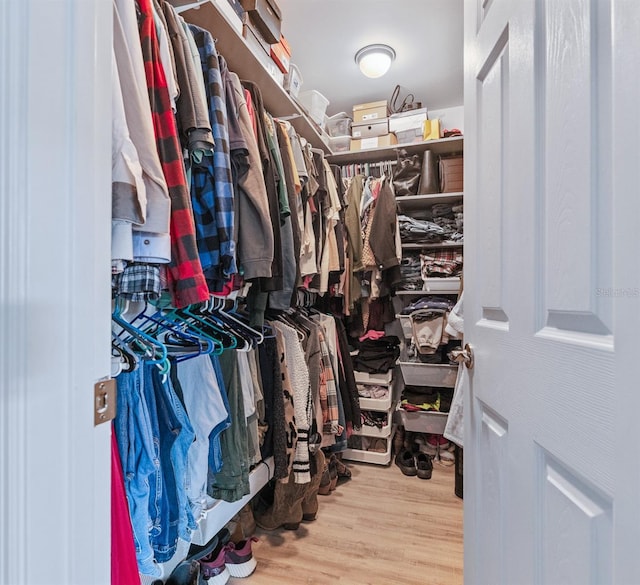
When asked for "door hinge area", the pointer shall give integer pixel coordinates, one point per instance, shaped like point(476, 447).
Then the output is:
point(104, 407)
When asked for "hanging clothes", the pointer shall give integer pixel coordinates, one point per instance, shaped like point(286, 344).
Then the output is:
point(186, 279)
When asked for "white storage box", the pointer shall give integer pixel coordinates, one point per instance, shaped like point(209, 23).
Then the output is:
point(379, 379)
point(376, 432)
point(339, 125)
point(379, 404)
point(408, 120)
point(371, 456)
point(419, 374)
point(339, 143)
point(315, 104)
point(293, 80)
point(428, 421)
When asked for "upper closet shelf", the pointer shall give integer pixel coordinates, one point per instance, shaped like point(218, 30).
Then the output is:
point(419, 202)
point(243, 61)
point(441, 146)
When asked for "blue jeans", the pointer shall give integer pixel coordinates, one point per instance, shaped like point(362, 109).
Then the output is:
point(179, 454)
point(132, 426)
point(172, 441)
point(215, 448)
point(203, 399)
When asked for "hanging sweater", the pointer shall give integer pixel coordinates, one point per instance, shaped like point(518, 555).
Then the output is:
point(299, 376)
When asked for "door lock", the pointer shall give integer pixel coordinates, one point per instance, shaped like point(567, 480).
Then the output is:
point(104, 401)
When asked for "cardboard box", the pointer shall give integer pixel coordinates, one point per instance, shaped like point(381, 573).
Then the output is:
point(371, 111)
point(375, 142)
point(409, 136)
point(281, 54)
point(237, 7)
point(408, 120)
point(257, 48)
point(370, 129)
point(253, 36)
point(228, 9)
point(267, 17)
point(451, 171)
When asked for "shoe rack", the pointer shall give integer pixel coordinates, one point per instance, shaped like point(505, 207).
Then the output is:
point(373, 434)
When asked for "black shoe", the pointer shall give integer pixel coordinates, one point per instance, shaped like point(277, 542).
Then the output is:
point(404, 460)
point(197, 551)
point(186, 573)
point(424, 465)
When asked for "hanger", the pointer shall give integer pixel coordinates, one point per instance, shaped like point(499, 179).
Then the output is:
point(207, 327)
point(180, 339)
point(233, 318)
point(151, 350)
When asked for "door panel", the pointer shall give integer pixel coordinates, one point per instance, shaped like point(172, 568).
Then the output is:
point(544, 282)
point(493, 104)
point(575, 76)
point(55, 209)
point(575, 527)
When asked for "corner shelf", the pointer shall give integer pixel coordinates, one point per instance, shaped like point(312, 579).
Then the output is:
point(441, 146)
point(441, 245)
point(246, 64)
point(446, 285)
point(419, 202)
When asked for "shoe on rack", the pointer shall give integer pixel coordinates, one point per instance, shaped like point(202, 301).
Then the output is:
point(197, 551)
point(185, 573)
point(405, 461)
point(424, 466)
point(213, 568)
point(437, 441)
point(239, 558)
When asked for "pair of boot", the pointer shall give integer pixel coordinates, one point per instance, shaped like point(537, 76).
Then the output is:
point(334, 470)
point(293, 502)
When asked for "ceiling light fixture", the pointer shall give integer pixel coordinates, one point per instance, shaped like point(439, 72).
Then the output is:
point(375, 60)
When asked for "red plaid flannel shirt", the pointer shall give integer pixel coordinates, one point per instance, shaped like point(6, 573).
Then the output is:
point(185, 278)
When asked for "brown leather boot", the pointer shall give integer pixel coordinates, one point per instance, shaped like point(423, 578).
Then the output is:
point(286, 510)
point(310, 500)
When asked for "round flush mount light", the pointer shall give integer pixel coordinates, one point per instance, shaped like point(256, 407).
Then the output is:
point(375, 60)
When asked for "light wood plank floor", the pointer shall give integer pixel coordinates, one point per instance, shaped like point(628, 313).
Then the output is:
point(379, 528)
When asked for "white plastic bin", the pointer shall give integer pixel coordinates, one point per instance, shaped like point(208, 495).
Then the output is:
point(315, 104)
point(293, 80)
point(339, 125)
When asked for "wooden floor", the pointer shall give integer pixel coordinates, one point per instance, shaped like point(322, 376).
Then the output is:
point(379, 528)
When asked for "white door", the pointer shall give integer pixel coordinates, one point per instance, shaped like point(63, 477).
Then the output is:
point(55, 209)
point(552, 435)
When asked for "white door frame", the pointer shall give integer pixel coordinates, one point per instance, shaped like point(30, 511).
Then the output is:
point(55, 209)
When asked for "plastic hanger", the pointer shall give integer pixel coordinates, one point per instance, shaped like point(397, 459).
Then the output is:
point(139, 340)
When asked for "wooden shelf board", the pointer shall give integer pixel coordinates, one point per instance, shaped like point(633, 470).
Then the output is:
point(441, 146)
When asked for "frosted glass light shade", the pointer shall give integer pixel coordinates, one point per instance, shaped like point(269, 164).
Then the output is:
point(375, 60)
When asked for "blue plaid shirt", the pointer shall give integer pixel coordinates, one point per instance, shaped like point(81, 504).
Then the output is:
point(212, 194)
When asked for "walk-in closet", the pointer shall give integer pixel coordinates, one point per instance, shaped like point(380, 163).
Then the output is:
point(287, 324)
point(318, 292)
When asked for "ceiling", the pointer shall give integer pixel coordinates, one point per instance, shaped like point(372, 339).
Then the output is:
point(427, 36)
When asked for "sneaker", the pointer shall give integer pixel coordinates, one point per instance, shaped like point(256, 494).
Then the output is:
point(405, 461)
point(438, 442)
point(213, 567)
point(239, 558)
point(424, 466)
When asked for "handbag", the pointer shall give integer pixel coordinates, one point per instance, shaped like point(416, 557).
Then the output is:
point(406, 177)
point(429, 182)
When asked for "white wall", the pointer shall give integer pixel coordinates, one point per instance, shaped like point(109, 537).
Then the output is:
point(449, 117)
